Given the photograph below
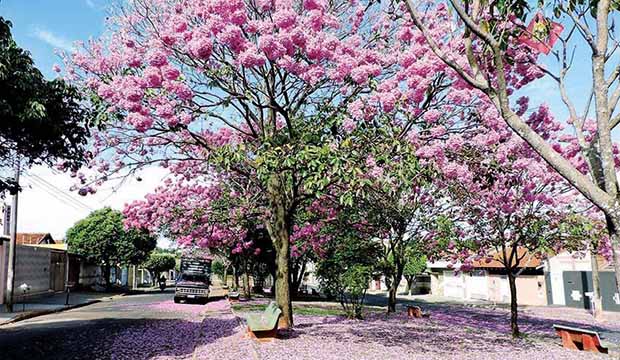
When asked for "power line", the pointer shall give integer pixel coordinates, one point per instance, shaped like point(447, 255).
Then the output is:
point(65, 193)
point(54, 195)
point(59, 194)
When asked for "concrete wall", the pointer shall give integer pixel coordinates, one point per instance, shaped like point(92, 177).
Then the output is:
point(32, 267)
point(437, 283)
point(531, 290)
point(480, 285)
point(90, 274)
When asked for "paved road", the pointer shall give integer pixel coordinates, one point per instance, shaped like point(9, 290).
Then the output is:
point(87, 332)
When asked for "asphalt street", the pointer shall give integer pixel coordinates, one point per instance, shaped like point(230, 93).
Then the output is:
point(82, 333)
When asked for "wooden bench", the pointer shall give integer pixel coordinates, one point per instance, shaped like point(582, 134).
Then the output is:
point(587, 340)
point(264, 326)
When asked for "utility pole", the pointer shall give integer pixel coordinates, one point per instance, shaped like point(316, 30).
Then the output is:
point(10, 278)
point(6, 220)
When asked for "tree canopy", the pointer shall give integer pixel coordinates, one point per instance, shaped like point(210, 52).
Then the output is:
point(159, 262)
point(101, 238)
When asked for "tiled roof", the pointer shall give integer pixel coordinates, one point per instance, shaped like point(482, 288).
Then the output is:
point(34, 238)
point(528, 260)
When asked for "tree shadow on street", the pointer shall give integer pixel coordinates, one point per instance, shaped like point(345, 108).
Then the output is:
point(113, 338)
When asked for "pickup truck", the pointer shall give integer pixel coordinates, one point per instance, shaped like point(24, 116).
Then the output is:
point(193, 281)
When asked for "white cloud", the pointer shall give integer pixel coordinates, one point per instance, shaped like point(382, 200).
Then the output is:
point(46, 205)
point(52, 39)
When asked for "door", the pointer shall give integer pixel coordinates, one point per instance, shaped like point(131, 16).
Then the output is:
point(576, 285)
point(57, 271)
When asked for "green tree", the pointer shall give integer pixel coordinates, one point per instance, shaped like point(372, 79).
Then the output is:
point(42, 121)
point(415, 264)
point(219, 269)
point(345, 270)
point(102, 239)
point(157, 263)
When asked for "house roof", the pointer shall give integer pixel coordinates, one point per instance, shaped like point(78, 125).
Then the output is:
point(62, 246)
point(527, 260)
point(34, 238)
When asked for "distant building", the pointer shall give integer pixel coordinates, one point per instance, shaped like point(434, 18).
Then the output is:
point(563, 279)
point(40, 262)
point(489, 281)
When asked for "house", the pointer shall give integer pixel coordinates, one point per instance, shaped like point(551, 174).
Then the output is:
point(40, 262)
point(569, 281)
point(488, 281)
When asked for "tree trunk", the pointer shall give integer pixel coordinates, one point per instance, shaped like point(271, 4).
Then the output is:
point(246, 284)
point(283, 293)
point(279, 230)
point(106, 276)
point(614, 234)
point(514, 326)
point(225, 279)
point(235, 278)
point(409, 284)
point(597, 300)
point(392, 292)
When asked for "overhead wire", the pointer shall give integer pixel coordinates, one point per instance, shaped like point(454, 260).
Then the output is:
point(57, 192)
point(35, 184)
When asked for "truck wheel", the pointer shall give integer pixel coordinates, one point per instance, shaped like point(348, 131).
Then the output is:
point(176, 300)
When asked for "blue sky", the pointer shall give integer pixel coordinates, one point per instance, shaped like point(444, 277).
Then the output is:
point(40, 26)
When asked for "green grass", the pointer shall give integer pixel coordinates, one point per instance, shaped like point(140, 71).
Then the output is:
point(302, 309)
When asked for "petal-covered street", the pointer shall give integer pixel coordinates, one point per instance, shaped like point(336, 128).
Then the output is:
point(152, 326)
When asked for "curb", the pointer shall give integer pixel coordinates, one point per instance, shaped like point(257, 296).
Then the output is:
point(37, 313)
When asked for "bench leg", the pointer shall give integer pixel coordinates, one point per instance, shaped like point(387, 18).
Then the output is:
point(567, 340)
point(263, 336)
point(590, 343)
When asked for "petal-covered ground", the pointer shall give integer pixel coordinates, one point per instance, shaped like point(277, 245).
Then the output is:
point(452, 332)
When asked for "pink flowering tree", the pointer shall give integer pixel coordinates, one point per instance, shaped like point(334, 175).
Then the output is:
point(513, 207)
point(257, 88)
point(494, 39)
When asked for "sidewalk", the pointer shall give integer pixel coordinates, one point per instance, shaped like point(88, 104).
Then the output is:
point(50, 304)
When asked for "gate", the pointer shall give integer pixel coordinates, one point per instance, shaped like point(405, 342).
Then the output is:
point(578, 290)
point(57, 271)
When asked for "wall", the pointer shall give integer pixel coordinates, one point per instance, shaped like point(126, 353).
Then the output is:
point(477, 285)
point(437, 283)
point(32, 266)
point(454, 285)
point(3, 266)
point(531, 290)
point(90, 274)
